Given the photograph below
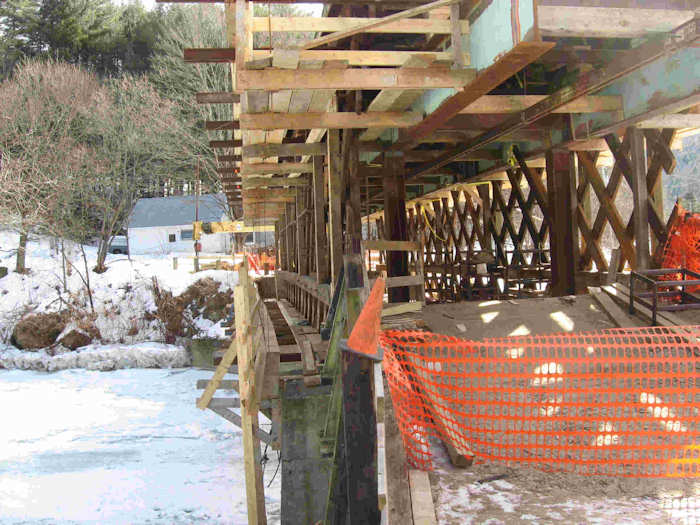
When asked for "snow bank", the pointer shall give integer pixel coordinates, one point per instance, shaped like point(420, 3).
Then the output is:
point(97, 357)
point(122, 295)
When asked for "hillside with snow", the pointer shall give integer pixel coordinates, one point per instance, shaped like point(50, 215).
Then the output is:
point(125, 323)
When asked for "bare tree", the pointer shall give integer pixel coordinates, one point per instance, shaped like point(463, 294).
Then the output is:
point(42, 109)
point(141, 139)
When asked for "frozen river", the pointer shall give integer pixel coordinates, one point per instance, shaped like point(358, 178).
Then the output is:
point(127, 446)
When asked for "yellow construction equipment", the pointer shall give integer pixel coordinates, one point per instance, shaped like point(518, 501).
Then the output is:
point(227, 227)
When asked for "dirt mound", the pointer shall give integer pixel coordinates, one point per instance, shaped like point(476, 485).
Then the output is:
point(84, 333)
point(178, 313)
point(38, 330)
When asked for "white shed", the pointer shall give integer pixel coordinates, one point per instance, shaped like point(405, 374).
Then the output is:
point(164, 224)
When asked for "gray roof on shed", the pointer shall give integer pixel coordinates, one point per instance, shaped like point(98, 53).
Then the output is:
point(176, 211)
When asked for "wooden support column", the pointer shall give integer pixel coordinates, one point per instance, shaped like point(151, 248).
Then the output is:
point(395, 220)
point(353, 211)
point(321, 240)
point(484, 191)
point(278, 245)
point(302, 266)
point(359, 418)
point(335, 193)
point(289, 246)
point(640, 196)
point(561, 191)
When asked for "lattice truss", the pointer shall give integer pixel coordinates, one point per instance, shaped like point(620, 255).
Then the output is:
point(512, 218)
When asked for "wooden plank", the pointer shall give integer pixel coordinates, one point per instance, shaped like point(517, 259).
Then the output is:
point(617, 315)
point(328, 120)
point(272, 182)
point(283, 150)
point(382, 245)
point(221, 97)
point(611, 278)
point(367, 25)
point(401, 308)
point(220, 144)
point(228, 158)
point(376, 78)
point(344, 23)
point(221, 370)
point(497, 104)
point(421, 498)
point(367, 58)
point(232, 402)
point(224, 384)
point(234, 418)
point(673, 121)
point(209, 56)
point(608, 22)
point(513, 61)
point(220, 125)
point(271, 168)
point(394, 99)
point(308, 362)
point(406, 280)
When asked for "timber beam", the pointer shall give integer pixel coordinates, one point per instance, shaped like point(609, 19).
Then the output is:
point(221, 125)
point(353, 79)
point(513, 61)
point(220, 144)
point(209, 56)
point(272, 168)
point(270, 182)
point(223, 97)
point(344, 120)
point(594, 80)
point(264, 150)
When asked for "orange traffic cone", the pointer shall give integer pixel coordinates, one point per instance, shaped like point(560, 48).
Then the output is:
point(364, 338)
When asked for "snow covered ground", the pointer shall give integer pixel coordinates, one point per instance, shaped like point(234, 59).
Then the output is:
point(127, 446)
point(121, 295)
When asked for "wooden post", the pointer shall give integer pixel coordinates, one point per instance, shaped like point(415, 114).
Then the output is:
point(640, 196)
point(395, 220)
point(484, 191)
point(335, 192)
point(288, 214)
point(585, 201)
point(353, 212)
point(561, 191)
point(255, 492)
point(322, 260)
point(359, 418)
point(302, 266)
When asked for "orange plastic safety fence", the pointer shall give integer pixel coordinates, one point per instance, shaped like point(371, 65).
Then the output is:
point(682, 248)
point(622, 402)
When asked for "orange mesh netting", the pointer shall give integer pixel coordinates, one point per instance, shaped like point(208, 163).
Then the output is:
point(682, 249)
point(617, 402)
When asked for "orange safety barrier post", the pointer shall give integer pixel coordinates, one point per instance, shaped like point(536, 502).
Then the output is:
point(621, 402)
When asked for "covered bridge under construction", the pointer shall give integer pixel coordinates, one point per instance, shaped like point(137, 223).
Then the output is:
point(479, 156)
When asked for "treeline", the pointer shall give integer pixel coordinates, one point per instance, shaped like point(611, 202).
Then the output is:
point(97, 109)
